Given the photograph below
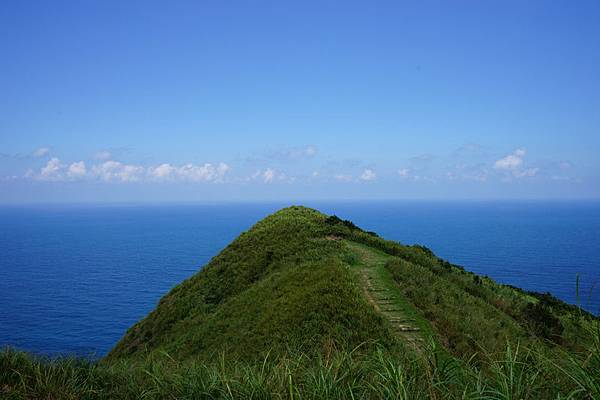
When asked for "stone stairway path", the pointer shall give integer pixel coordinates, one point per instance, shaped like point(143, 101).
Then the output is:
point(385, 298)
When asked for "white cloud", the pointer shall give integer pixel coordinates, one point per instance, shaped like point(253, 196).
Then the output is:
point(513, 166)
point(310, 151)
point(76, 170)
point(41, 152)
point(342, 178)
point(271, 175)
point(52, 170)
point(468, 172)
point(404, 172)
point(416, 175)
point(423, 178)
point(512, 161)
point(222, 169)
point(163, 171)
point(110, 171)
point(563, 171)
point(116, 171)
point(55, 170)
point(368, 175)
point(268, 175)
point(526, 172)
point(190, 172)
point(203, 173)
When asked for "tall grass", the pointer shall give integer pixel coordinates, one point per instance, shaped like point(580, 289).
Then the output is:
point(515, 373)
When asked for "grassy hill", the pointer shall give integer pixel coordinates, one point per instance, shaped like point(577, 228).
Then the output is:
point(283, 284)
point(305, 305)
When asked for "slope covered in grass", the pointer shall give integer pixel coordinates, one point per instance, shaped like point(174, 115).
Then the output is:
point(471, 313)
point(282, 284)
point(289, 283)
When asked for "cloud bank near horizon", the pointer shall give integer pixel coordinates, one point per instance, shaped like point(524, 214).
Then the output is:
point(299, 165)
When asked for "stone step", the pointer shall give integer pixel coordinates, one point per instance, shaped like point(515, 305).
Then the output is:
point(401, 320)
point(406, 328)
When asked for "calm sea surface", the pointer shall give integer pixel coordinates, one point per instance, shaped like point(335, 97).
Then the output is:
point(74, 278)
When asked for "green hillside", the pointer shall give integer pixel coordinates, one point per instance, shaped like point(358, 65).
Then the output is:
point(305, 305)
point(282, 284)
point(296, 280)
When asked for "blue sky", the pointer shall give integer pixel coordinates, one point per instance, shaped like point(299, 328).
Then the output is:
point(252, 100)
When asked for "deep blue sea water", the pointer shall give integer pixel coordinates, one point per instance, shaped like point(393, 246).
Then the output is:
point(74, 278)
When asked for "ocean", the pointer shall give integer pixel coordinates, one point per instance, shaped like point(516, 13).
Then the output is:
point(73, 278)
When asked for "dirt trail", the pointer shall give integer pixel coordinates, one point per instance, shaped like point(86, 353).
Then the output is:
point(385, 297)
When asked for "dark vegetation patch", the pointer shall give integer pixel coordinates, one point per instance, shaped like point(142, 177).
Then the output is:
point(542, 322)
